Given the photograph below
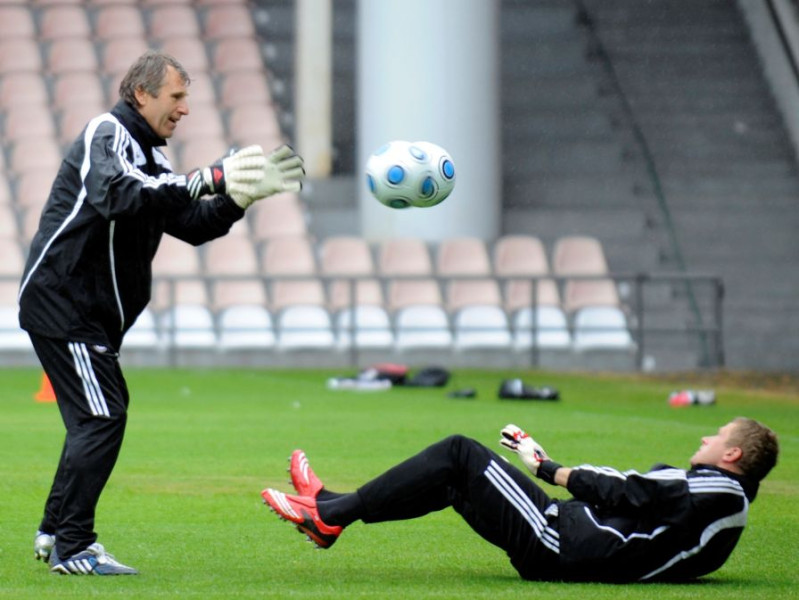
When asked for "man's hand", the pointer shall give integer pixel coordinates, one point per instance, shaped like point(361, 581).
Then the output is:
point(517, 440)
point(232, 175)
point(530, 452)
point(283, 172)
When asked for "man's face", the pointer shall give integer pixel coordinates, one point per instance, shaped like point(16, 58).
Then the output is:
point(162, 112)
point(716, 449)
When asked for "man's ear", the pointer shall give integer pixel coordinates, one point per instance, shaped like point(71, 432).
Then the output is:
point(733, 454)
point(140, 95)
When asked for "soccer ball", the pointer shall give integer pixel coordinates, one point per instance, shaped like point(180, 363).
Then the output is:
point(402, 174)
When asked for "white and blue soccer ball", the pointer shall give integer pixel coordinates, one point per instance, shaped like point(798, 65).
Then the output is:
point(401, 174)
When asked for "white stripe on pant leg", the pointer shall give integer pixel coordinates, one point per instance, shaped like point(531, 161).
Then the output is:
point(94, 383)
point(94, 395)
point(524, 504)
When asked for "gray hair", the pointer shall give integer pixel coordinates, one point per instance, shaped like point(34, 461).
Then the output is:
point(148, 73)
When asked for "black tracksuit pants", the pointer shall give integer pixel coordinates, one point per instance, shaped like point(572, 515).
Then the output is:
point(92, 397)
point(499, 501)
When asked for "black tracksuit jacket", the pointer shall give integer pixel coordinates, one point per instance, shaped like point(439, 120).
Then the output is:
point(88, 274)
point(665, 524)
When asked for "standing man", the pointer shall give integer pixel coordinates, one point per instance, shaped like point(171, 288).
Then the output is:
point(88, 277)
point(666, 524)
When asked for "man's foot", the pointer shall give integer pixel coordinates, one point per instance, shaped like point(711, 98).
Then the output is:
point(92, 561)
point(43, 544)
point(302, 510)
point(303, 477)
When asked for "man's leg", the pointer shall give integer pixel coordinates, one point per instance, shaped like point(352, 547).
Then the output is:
point(499, 501)
point(92, 397)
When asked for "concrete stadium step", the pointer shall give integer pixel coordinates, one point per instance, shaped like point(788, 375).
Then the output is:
point(556, 125)
point(525, 19)
point(579, 190)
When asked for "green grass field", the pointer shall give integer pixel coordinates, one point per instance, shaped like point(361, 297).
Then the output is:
point(183, 504)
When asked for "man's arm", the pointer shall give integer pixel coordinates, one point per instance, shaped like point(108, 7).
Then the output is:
point(562, 476)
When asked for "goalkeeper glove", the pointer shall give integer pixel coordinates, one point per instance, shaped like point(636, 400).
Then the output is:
point(283, 172)
point(530, 452)
point(232, 175)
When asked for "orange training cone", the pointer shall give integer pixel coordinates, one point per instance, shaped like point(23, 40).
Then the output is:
point(45, 393)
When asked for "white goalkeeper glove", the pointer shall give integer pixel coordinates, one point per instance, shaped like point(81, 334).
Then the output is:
point(233, 175)
point(283, 172)
point(530, 452)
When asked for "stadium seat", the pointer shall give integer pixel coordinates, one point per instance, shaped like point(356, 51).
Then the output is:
point(119, 53)
point(371, 325)
point(404, 256)
point(173, 20)
point(242, 88)
point(254, 124)
point(288, 255)
point(481, 327)
point(12, 338)
point(144, 334)
point(119, 21)
point(245, 327)
point(201, 151)
point(74, 118)
point(580, 255)
point(19, 56)
point(367, 292)
point(281, 215)
point(552, 329)
point(70, 55)
point(8, 222)
point(62, 22)
point(78, 88)
point(16, 22)
point(231, 255)
point(238, 292)
point(189, 326)
point(234, 54)
point(472, 292)
point(33, 189)
point(291, 264)
point(203, 122)
point(189, 51)
point(296, 292)
point(304, 327)
point(30, 222)
point(28, 121)
point(36, 154)
point(422, 326)
point(176, 257)
point(5, 191)
point(523, 256)
point(462, 256)
point(13, 261)
point(233, 21)
point(601, 328)
point(410, 292)
point(201, 89)
point(22, 89)
point(349, 256)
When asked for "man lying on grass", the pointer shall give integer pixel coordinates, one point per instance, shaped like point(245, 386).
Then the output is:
point(665, 524)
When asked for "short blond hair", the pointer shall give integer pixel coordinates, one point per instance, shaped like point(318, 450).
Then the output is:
point(759, 447)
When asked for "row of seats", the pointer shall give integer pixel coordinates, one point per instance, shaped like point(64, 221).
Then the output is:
point(462, 297)
point(404, 272)
point(469, 272)
point(308, 326)
point(372, 328)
